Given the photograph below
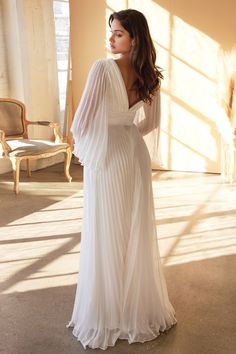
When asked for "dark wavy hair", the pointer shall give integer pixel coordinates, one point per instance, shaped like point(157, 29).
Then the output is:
point(143, 54)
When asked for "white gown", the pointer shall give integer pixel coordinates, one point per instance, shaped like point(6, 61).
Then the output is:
point(121, 291)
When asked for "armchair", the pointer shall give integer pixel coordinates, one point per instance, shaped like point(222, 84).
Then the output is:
point(16, 144)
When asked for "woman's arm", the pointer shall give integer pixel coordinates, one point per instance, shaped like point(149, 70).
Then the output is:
point(91, 100)
point(89, 127)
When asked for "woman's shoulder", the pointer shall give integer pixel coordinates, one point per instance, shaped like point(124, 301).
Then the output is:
point(103, 60)
point(101, 68)
point(102, 63)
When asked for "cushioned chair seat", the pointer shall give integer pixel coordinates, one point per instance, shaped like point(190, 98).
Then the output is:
point(24, 147)
point(16, 145)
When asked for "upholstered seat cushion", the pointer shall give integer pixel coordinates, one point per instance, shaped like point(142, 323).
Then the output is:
point(22, 147)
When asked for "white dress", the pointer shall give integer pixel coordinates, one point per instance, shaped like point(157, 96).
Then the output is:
point(121, 291)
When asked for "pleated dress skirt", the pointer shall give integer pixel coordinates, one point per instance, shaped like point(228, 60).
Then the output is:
point(121, 291)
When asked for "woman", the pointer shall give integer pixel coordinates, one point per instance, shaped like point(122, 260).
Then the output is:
point(121, 291)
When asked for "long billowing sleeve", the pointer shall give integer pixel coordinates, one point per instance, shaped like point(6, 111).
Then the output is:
point(148, 122)
point(89, 127)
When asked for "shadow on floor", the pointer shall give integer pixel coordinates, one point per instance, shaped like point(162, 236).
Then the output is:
point(44, 188)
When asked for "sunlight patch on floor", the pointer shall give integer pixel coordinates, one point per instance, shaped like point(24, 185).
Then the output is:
point(195, 220)
point(35, 249)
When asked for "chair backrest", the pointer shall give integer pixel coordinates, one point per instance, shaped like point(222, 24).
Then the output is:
point(12, 118)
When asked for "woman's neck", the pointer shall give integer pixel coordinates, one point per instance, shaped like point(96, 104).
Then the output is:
point(125, 60)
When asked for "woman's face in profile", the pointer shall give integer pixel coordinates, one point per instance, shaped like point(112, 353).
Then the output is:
point(120, 40)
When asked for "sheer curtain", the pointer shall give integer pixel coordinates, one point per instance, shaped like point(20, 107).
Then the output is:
point(34, 61)
point(3, 59)
point(62, 33)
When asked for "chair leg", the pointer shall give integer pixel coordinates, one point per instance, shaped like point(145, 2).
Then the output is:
point(28, 167)
point(67, 160)
point(16, 173)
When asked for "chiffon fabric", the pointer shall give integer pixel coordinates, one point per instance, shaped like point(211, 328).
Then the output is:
point(121, 291)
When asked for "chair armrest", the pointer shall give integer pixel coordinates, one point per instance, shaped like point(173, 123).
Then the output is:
point(6, 148)
point(55, 126)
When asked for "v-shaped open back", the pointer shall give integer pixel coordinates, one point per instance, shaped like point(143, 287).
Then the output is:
point(130, 105)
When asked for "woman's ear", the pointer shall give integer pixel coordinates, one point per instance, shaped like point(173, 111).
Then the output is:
point(133, 42)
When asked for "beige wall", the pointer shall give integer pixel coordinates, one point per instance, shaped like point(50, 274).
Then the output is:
point(189, 36)
point(87, 40)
